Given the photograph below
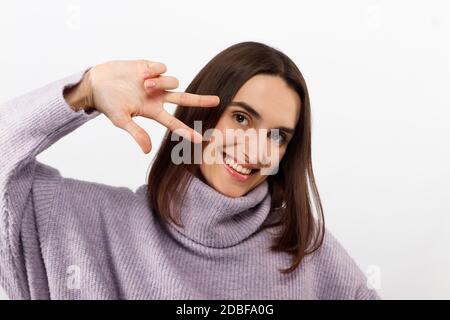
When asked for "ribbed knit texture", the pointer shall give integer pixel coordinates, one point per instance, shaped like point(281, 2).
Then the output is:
point(62, 238)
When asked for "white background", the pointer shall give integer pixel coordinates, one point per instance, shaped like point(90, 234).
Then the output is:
point(378, 75)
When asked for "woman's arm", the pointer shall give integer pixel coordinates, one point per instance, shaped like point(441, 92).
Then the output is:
point(29, 124)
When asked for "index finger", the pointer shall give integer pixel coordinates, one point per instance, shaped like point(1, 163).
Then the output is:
point(191, 99)
point(177, 126)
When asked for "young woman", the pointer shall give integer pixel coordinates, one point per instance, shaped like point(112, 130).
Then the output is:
point(199, 229)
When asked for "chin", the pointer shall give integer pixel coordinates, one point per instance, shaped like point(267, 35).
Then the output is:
point(229, 190)
point(216, 177)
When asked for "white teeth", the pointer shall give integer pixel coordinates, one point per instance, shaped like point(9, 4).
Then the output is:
point(230, 162)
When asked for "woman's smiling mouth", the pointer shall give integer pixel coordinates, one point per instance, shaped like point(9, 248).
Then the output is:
point(237, 171)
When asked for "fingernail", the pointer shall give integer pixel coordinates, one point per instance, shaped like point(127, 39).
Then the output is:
point(149, 84)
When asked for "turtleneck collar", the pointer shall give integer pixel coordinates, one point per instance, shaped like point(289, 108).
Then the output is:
point(215, 220)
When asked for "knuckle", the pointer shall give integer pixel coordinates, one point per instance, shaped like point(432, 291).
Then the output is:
point(118, 121)
point(158, 113)
point(143, 62)
point(176, 83)
point(140, 134)
point(183, 98)
point(144, 65)
point(171, 122)
point(163, 66)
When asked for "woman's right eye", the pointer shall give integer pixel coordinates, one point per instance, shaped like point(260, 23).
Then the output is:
point(241, 119)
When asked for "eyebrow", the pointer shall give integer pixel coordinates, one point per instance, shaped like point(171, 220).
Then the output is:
point(252, 111)
point(247, 107)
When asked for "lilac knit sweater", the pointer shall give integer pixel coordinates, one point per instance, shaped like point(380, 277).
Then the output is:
point(62, 238)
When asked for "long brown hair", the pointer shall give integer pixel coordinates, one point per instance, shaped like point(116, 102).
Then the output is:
point(293, 189)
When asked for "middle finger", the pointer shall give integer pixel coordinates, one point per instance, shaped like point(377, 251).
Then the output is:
point(191, 99)
point(161, 82)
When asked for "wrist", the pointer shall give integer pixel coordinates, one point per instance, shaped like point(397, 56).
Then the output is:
point(80, 96)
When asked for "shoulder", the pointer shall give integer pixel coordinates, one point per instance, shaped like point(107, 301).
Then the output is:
point(48, 177)
point(338, 274)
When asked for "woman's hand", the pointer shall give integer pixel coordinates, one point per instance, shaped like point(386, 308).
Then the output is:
point(123, 89)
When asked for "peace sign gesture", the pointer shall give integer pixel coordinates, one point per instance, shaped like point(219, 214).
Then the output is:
point(125, 89)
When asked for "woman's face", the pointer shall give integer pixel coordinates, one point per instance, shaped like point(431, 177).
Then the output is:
point(262, 105)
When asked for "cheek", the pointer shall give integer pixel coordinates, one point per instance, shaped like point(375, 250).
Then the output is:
point(281, 153)
point(273, 163)
point(211, 157)
point(276, 154)
point(224, 122)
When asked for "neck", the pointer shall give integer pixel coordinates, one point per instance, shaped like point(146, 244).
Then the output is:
point(215, 220)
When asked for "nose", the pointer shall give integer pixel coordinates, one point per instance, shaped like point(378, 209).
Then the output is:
point(249, 147)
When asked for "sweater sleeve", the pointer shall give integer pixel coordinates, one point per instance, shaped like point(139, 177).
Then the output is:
point(29, 124)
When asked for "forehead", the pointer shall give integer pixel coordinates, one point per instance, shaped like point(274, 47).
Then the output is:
point(270, 96)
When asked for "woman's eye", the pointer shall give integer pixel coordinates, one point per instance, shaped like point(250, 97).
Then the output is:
point(278, 137)
point(241, 119)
